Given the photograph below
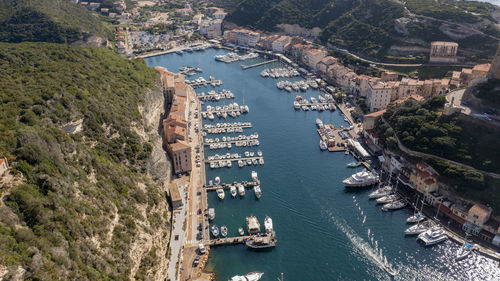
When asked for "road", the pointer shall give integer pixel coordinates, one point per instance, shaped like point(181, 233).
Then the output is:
point(456, 96)
point(177, 235)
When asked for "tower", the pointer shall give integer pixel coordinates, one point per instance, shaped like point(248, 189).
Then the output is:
point(495, 66)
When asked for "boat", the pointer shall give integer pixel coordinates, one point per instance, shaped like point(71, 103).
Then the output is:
point(220, 193)
point(353, 164)
point(179, 52)
point(253, 225)
point(217, 181)
point(418, 228)
point(387, 199)
point(223, 231)
point(211, 213)
point(395, 205)
point(381, 192)
point(361, 179)
point(464, 251)
point(296, 105)
point(322, 145)
point(268, 224)
point(432, 236)
point(254, 176)
point(259, 153)
point(252, 276)
point(258, 192)
point(233, 191)
point(261, 161)
point(319, 123)
point(261, 241)
point(241, 190)
point(215, 230)
point(241, 231)
point(417, 217)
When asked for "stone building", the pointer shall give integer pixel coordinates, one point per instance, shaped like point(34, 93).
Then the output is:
point(443, 52)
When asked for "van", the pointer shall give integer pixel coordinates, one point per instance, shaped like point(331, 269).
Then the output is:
point(202, 249)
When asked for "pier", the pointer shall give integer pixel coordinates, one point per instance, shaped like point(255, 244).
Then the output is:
point(234, 159)
point(246, 184)
point(316, 103)
point(234, 127)
point(228, 240)
point(258, 64)
point(333, 139)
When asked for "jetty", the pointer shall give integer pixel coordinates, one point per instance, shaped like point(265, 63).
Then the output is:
point(332, 138)
point(258, 64)
point(234, 159)
point(229, 241)
point(246, 184)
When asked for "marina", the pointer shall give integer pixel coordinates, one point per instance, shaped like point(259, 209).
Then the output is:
point(258, 64)
point(300, 182)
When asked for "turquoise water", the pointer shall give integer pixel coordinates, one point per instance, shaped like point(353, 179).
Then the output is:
point(324, 232)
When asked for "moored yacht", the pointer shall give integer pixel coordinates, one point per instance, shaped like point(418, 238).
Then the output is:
point(252, 276)
point(387, 199)
point(258, 192)
point(268, 224)
point(381, 192)
point(217, 181)
point(220, 193)
point(241, 190)
point(361, 179)
point(433, 236)
point(417, 217)
point(319, 123)
point(255, 177)
point(233, 191)
point(353, 164)
point(464, 251)
point(223, 231)
point(418, 228)
point(296, 105)
point(322, 145)
point(394, 205)
point(215, 230)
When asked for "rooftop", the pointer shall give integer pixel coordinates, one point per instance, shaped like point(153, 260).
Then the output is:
point(444, 43)
point(376, 113)
point(482, 67)
point(480, 210)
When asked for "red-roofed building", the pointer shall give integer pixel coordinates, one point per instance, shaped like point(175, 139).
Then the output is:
point(424, 178)
point(370, 119)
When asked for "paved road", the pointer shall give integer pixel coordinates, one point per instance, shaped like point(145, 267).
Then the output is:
point(177, 236)
point(456, 96)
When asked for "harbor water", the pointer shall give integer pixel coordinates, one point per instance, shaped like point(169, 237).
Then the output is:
point(323, 231)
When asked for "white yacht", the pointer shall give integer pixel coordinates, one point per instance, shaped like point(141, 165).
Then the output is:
point(387, 199)
point(211, 213)
point(241, 190)
point(417, 217)
point(319, 123)
point(220, 193)
point(261, 161)
point(233, 191)
point(217, 181)
point(257, 191)
point(252, 276)
point(381, 192)
point(361, 179)
point(223, 231)
point(268, 224)
point(464, 251)
point(394, 205)
point(432, 236)
point(296, 105)
point(322, 145)
point(255, 176)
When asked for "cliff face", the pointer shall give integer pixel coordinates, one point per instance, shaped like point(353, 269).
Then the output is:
point(80, 127)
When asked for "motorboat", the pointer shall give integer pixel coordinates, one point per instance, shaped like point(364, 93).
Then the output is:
point(220, 193)
point(255, 177)
point(353, 164)
point(361, 179)
point(233, 191)
point(241, 190)
point(217, 181)
point(252, 276)
point(419, 228)
point(253, 225)
point(394, 205)
point(381, 192)
point(223, 231)
point(432, 236)
point(261, 161)
point(268, 224)
point(215, 230)
point(211, 213)
point(261, 241)
point(296, 105)
point(240, 163)
point(322, 145)
point(259, 153)
point(319, 123)
point(257, 191)
point(417, 217)
point(387, 199)
point(464, 251)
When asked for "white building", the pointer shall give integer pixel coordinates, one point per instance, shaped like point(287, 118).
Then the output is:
point(279, 44)
point(379, 96)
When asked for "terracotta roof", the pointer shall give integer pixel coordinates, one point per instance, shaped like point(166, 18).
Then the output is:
point(176, 146)
point(376, 113)
point(482, 67)
point(429, 181)
point(480, 210)
point(444, 43)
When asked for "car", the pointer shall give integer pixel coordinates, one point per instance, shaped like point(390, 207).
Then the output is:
point(196, 261)
point(198, 193)
point(198, 165)
point(199, 236)
point(199, 211)
point(200, 227)
point(202, 249)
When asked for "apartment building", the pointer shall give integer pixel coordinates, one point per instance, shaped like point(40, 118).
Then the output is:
point(281, 44)
point(311, 57)
point(424, 178)
point(379, 96)
point(443, 52)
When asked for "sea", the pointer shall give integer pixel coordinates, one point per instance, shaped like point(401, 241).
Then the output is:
point(324, 232)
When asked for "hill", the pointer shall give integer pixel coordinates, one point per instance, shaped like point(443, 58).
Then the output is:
point(56, 21)
point(383, 29)
point(75, 123)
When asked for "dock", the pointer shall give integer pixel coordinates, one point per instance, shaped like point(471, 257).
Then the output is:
point(228, 241)
point(332, 142)
point(258, 64)
point(316, 103)
point(235, 159)
point(234, 127)
point(246, 184)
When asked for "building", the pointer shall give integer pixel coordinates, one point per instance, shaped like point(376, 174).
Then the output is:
point(325, 63)
point(369, 120)
point(211, 28)
point(175, 196)
point(477, 216)
point(243, 37)
point(408, 86)
point(443, 52)
point(494, 72)
point(311, 57)
point(479, 73)
point(4, 165)
point(389, 76)
point(281, 44)
point(180, 153)
point(424, 178)
point(379, 96)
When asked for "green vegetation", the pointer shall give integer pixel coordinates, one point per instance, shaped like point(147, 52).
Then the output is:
point(47, 21)
point(489, 92)
point(425, 71)
point(56, 225)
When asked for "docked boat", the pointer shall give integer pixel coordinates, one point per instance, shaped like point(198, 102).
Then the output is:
point(223, 231)
point(261, 241)
point(381, 192)
point(395, 205)
point(258, 192)
point(241, 190)
point(387, 199)
point(211, 213)
point(268, 224)
point(255, 177)
point(361, 179)
point(261, 161)
point(241, 163)
point(253, 225)
point(217, 181)
point(432, 236)
point(241, 231)
point(215, 230)
point(419, 228)
point(353, 164)
point(296, 105)
point(220, 193)
point(319, 123)
point(322, 145)
point(464, 251)
point(233, 191)
point(417, 217)
point(252, 276)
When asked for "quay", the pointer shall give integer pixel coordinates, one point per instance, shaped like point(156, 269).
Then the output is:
point(246, 184)
point(316, 103)
point(258, 64)
point(228, 240)
point(234, 159)
point(332, 138)
point(241, 126)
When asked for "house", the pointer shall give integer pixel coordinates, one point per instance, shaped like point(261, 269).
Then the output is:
point(180, 155)
point(477, 216)
point(4, 165)
point(325, 63)
point(281, 44)
point(379, 96)
point(243, 37)
point(311, 57)
point(479, 73)
point(389, 76)
point(369, 120)
point(443, 52)
point(424, 178)
point(175, 196)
